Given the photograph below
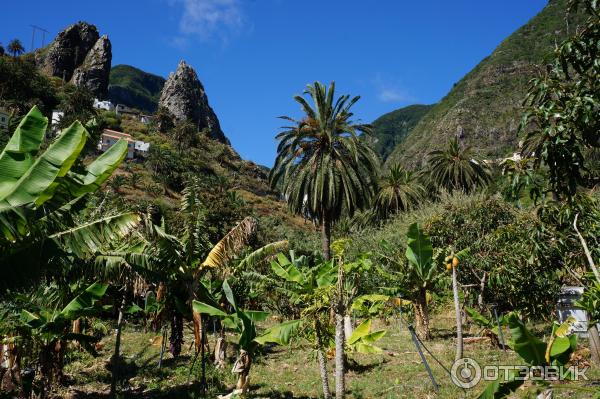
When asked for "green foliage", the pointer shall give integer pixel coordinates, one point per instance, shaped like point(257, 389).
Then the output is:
point(590, 302)
point(419, 253)
point(533, 351)
point(322, 165)
point(135, 88)
point(562, 114)
point(362, 339)
point(521, 178)
point(39, 194)
point(243, 322)
point(455, 168)
point(77, 104)
point(484, 106)
point(22, 87)
point(280, 334)
point(15, 47)
point(41, 332)
point(399, 190)
point(393, 127)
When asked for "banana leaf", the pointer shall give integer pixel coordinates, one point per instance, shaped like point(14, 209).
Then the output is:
point(419, 253)
point(20, 151)
point(83, 301)
point(280, 334)
point(38, 183)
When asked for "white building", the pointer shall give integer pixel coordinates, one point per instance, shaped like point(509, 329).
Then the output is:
point(135, 148)
point(145, 119)
point(105, 105)
point(141, 148)
point(55, 120)
point(110, 137)
point(4, 119)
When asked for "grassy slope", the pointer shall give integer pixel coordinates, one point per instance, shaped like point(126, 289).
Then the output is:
point(292, 372)
point(484, 108)
point(391, 128)
point(211, 162)
point(135, 88)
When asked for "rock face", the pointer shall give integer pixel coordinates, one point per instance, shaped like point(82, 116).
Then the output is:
point(79, 55)
point(484, 108)
point(184, 96)
point(94, 73)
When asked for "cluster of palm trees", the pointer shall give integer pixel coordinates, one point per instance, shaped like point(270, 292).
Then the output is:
point(453, 168)
point(324, 167)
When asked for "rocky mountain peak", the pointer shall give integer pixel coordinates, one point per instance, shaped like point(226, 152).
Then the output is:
point(78, 54)
point(184, 96)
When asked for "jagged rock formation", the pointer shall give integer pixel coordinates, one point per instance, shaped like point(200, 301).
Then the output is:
point(79, 55)
point(184, 96)
point(95, 71)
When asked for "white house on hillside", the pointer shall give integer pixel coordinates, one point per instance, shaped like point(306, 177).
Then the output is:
point(135, 148)
point(105, 105)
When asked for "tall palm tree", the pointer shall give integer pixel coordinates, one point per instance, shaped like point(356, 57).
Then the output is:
point(321, 163)
point(399, 190)
point(15, 47)
point(323, 167)
point(455, 168)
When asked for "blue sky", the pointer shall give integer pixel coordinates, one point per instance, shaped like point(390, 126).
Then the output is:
point(254, 55)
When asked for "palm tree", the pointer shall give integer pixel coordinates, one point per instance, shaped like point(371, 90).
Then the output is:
point(15, 47)
point(1, 50)
point(454, 168)
point(399, 191)
point(323, 166)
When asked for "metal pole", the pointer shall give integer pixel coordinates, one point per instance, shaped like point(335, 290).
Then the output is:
point(500, 335)
point(416, 342)
point(400, 311)
point(202, 343)
point(32, 38)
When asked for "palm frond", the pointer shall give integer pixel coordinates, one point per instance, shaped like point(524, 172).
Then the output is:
point(87, 239)
point(263, 255)
point(229, 246)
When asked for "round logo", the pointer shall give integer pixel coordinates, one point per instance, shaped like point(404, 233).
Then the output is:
point(465, 373)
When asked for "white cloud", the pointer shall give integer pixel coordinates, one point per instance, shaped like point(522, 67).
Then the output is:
point(390, 95)
point(390, 90)
point(208, 19)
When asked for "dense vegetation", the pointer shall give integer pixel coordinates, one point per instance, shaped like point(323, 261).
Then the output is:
point(390, 129)
point(134, 88)
point(112, 266)
point(483, 109)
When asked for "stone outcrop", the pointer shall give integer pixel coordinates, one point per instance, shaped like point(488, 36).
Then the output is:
point(184, 96)
point(94, 73)
point(79, 55)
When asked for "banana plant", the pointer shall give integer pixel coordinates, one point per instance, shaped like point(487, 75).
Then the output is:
point(311, 289)
point(535, 352)
point(243, 322)
point(489, 328)
point(421, 272)
point(51, 330)
point(362, 339)
point(40, 192)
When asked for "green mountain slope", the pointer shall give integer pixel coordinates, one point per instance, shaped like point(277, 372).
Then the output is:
point(484, 108)
point(135, 88)
point(391, 128)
